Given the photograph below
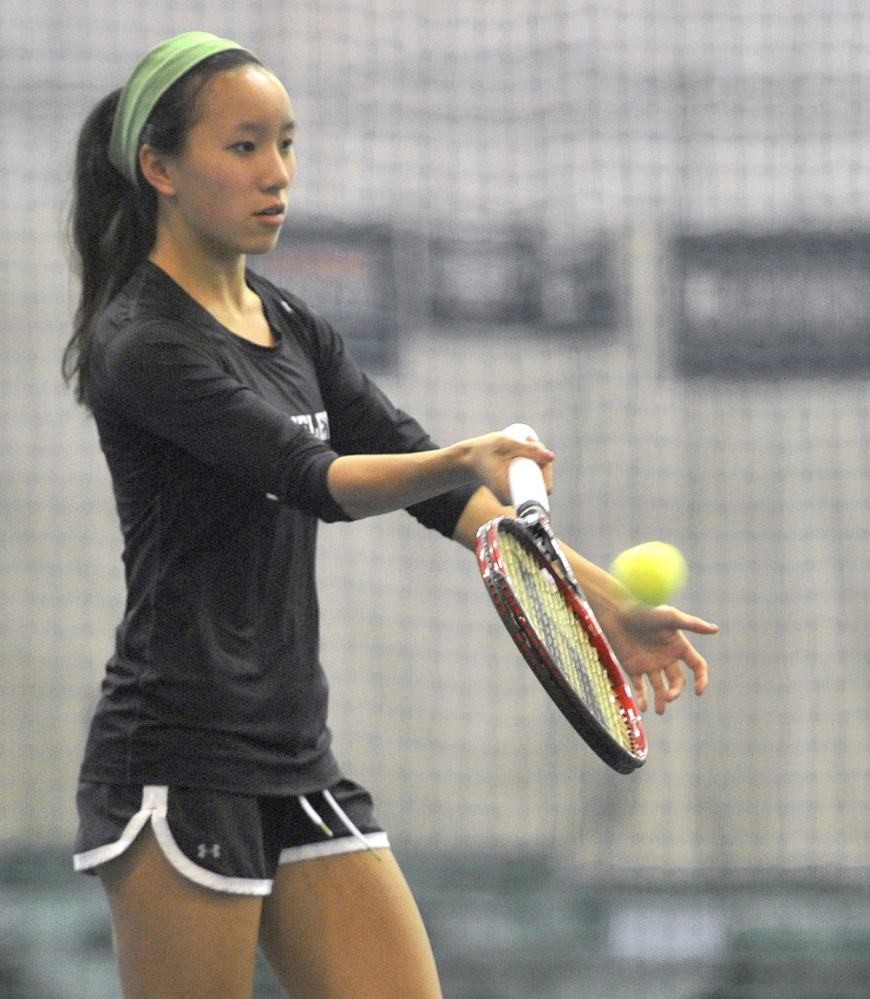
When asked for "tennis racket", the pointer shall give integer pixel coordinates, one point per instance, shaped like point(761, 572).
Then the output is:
point(548, 617)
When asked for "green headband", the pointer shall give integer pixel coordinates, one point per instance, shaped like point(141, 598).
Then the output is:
point(149, 81)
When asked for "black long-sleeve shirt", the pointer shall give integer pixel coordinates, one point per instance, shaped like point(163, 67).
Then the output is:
point(218, 450)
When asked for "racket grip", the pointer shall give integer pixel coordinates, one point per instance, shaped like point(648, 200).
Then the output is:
point(525, 478)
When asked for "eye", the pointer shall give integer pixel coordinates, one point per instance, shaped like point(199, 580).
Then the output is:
point(287, 144)
point(243, 147)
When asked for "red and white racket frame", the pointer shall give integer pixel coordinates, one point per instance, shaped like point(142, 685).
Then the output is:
point(561, 691)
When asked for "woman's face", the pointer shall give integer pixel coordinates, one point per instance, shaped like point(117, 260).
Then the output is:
point(228, 187)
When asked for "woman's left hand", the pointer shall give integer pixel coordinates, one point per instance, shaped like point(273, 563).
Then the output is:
point(651, 644)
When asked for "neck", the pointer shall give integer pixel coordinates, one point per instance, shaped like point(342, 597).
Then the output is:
point(208, 279)
point(218, 284)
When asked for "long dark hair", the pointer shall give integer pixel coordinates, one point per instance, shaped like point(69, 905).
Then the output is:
point(113, 224)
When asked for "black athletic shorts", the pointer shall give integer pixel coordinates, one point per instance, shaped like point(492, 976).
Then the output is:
point(224, 841)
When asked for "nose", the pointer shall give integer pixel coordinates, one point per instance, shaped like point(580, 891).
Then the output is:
point(280, 170)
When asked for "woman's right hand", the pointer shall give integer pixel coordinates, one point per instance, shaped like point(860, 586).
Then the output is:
point(491, 455)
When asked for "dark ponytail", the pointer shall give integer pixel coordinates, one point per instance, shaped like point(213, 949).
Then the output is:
point(113, 224)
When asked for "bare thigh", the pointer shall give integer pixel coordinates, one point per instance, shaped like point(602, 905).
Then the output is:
point(347, 927)
point(174, 938)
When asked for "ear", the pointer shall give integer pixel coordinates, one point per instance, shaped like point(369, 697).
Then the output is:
point(155, 170)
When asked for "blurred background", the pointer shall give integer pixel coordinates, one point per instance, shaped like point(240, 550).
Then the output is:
point(642, 226)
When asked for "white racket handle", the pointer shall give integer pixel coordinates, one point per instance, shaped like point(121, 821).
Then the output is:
point(525, 478)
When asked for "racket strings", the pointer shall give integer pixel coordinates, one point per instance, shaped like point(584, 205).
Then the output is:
point(563, 635)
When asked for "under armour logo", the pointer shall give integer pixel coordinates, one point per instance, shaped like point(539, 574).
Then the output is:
point(213, 851)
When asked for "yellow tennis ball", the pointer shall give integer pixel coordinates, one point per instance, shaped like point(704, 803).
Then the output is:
point(651, 572)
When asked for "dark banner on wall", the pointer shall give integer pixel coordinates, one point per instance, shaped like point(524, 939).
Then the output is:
point(785, 304)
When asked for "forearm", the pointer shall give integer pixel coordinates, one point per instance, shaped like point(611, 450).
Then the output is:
point(604, 592)
point(482, 507)
point(369, 484)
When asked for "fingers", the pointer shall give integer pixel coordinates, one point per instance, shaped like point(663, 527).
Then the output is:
point(693, 659)
point(525, 435)
point(656, 681)
point(548, 477)
point(698, 665)
point(676, 680)
point(667, 685)
point(528, 477)
point(664, 621)
point(688, 622)
point(535, 450)
point(639, 689)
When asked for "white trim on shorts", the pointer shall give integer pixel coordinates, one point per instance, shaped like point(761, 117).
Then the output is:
point(155, 800)
point(154, 807)
point(334, 847)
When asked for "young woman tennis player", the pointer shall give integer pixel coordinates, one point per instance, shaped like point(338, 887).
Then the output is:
point(232, 420)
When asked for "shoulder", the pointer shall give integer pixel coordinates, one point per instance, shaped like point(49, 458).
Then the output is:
point(149, 327)
point(151, 299)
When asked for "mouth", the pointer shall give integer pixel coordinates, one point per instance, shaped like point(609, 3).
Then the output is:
point(273, 211)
